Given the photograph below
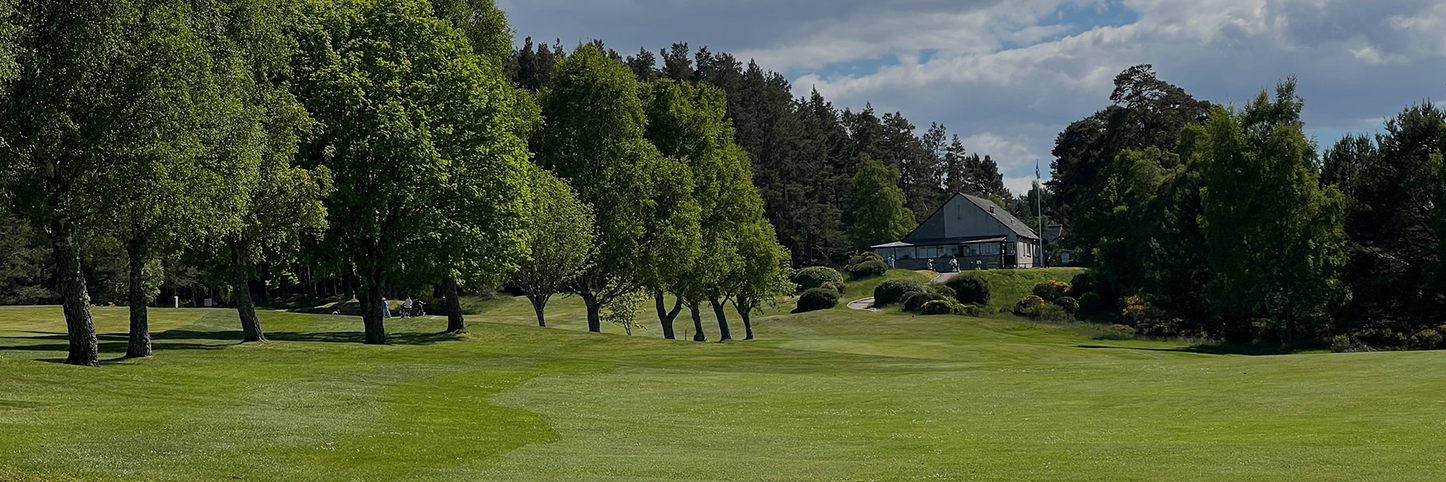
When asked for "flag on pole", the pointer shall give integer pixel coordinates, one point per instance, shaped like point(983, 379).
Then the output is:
point(1036, 169)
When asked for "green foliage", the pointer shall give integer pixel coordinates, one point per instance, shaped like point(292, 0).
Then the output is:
point(560, 230)
point(937, 307)
point(1146, 113)
point(1028, 304)
point(914, 301)
point(970, 289)
point(817, 299)
point(868, 269)
point(863, 257)
point(421, 137)
point(1145, 317)
point(1391, 188)
point(816, 276)
point(623, 311)
point(644, 205)
point(1093, 306)
point(1069, 304)
point(943, 290)
point(974, 311)
point(1117, 332)
point(1275, 240)
point(1006, 286)
point(483, 24)
point(1082, 283)
point(1035, 308)
point(877, 202)
point(1051, 290)
point(26, 270)
point(894, 290)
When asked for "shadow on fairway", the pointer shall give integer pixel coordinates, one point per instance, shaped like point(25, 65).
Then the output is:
point(310, 337)
point(1250, 349)
point(195, 340)
point(107, 343)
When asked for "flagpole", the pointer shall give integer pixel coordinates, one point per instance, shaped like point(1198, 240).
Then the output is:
point(1039, 201)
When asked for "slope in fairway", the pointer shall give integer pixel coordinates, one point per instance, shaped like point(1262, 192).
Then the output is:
point(833, 395)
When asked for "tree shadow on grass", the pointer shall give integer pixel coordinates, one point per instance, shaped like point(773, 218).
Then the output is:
point(195, 340)
point(106, 343)
point(310, 337)
point(1250, 349)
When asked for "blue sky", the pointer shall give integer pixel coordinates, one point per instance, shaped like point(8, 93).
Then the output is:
point(1007, 76)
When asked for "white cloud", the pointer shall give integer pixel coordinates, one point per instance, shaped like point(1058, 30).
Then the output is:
point(1007, 76)
point(1020, 186)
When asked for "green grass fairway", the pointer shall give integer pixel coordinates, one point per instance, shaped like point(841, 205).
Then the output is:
point(829, 395)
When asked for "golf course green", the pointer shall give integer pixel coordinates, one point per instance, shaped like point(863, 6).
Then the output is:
point(829, 395)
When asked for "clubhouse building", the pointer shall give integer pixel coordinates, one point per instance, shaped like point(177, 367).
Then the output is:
point(978, 232)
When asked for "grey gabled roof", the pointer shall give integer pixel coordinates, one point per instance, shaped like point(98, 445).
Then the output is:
point(1001, 214)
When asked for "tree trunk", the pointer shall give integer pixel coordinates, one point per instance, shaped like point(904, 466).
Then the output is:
point(455, 322)
point(594, 315)
point(371, 302)
point(745, 311)
point(139, 345)
point(697, 322)
point(245, 306)
point(348, 286)
point(723, 333)
point(594, 307)
point(665, 317)
point(539, 303)
point(73, 295)
point(310, 283)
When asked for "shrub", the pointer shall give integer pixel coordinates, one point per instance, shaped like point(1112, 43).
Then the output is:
point(838, 286)
point(1034, 308)
point(970, 310)
point(1082, 283)
point(1050, 289)
point(1379, 338)
point(815, 276)
point(1427, 339)
point(945, 291)
point(937, 307)
point(1094, 306)
point(1342, 344)
point(1147, 318)
point(1069, 304)
point(893, 291)
point(817, 299)
point(970, 289)
point(1117, 332)
point(868, 269)
point(915, 301)
point(1028, 304)
point(862, 258)
point(1051, 313)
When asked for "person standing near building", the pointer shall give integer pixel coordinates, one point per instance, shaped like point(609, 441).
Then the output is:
point(891, 261)
point(954, 264)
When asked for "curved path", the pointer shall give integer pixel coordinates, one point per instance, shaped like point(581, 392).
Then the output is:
point(863, 304)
